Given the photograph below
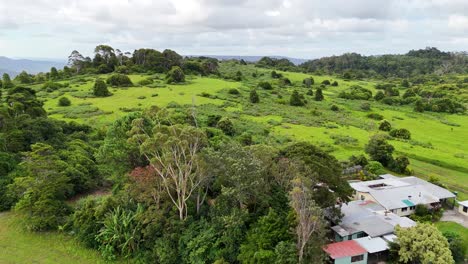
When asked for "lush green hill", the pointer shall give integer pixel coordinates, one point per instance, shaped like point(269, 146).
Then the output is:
point(437, 147)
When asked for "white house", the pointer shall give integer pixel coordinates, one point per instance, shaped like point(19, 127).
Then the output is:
point(400, 195)
point(463, 207)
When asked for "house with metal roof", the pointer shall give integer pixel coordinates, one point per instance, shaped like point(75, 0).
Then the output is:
point(400, 195)
point(366, 218)
point(346, 252)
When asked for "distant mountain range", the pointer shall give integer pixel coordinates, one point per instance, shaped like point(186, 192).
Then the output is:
point(14, 66)
point(296, 61)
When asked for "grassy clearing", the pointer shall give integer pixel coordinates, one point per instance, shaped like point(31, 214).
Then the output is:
point(123, 100)
point(455, 228)
point(19, 246)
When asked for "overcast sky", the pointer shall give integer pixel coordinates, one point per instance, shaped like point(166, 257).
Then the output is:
point(296, 28)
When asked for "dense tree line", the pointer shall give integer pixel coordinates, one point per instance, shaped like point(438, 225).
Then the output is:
point(413, 63)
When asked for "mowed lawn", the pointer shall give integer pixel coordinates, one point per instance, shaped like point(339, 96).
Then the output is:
point(455, 228)
point(18, 246)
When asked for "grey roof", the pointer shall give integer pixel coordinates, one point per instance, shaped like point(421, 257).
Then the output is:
point(366, 216)
point(372, 244)
point(390, 238)
point(393, 192)
point(464, 203)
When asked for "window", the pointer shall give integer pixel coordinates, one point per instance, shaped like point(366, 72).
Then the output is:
point(350, 237)
point(362, 234)
point(465, 209)
point(357, 258)
point(412, 207)
point(404, 209)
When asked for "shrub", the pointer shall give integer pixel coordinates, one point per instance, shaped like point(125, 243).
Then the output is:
point(51, 86)
point(226, 125)
point(254, 97)
point(122, 69)
point(356, 92)
point(375, 168)
point(233, 91)
point(400, 164)
point(295, 99)
point(335, 83)
point(358, 160)
point(308, 82)
point(64, 101)
point(326, 82)
point(375, 116)
point(265, 85)
point(276, 75)
point(379, 96)
point(175, 75)
point(213, 120)
point(365, 106)
point(285, 82)
point(310, 92)
point(385, 126)
point(119, 80)
point(400, 133)
point(319, 95)
point(334, 108)
point(146, 81)
point(100, 89)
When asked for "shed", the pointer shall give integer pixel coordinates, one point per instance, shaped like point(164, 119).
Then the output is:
point(463, 207)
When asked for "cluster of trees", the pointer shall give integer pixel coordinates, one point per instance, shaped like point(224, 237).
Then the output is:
point(381, 151)
point(43, 161)
point(356, 92)
point(415, 62)
point(189, 192)
point(282, 64)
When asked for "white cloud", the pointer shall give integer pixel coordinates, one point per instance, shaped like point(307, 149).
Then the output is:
point(301, 28)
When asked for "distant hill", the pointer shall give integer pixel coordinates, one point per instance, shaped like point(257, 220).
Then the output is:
point(14, 66)
point(296, 61)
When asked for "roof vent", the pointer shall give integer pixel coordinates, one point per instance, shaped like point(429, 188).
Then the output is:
point(409, 197)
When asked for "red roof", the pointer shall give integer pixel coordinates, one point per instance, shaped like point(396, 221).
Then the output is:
point(342, 249)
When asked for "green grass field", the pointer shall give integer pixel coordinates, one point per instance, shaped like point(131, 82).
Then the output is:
point(437, 148)
point(455, 228)
point(18, 246)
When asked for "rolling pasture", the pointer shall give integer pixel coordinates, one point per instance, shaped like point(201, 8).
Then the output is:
point(438, 140)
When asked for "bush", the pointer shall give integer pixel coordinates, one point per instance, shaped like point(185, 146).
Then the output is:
point(308, 82)
point(375, 116)
point(379, 96)
point(319, 95)
point(285, 82)
point(254, 97)
point(375, 168)
point(310, 92)
point(365, 106)
point(64, 101)
point(335, 83)
point(400, 133)
point(276, 75)
point(400, 164)
point(356, 92)
point(145, 82)
point(175, 75)
point(334, 108)
point(295, 99)
point(100, 89)
point(265, 85)
point(385, 126)
point(122, 69)
point(233, 91)
point(119, 80)
point(326, 82)
point(226, 125)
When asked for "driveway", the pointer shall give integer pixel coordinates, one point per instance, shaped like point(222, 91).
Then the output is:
point(454, 216)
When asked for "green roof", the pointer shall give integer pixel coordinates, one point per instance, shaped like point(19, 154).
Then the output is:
point(408, 202)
